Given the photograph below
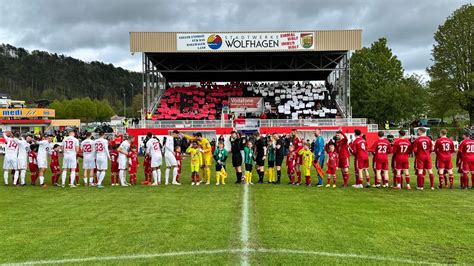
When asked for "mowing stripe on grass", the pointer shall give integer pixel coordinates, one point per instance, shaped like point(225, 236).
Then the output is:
point(225, 251)
point(244, 227)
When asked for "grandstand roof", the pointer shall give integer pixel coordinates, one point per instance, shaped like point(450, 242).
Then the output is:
point(246, 56)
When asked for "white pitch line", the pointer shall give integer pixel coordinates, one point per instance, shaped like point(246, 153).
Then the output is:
point(343, 255)
point(126, 257)
point(224, 251)
point(244, 228)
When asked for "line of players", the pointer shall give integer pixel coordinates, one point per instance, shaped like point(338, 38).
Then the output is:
point(300, 158)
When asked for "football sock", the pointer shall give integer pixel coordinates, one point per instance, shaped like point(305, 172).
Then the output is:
point(334, 180)
point(101, 177)
point(407, 179)
point(208, 174)
point(121, 177)
point(451, 180)
point(346, 178)
point(218, 177)
point(398, 179)
point(308, 180)
point(15, 177)
point(167, 175)
point(445, 177)
point(431, 180)
point(72, 177)
point(441, 180)
point(278, 176)
point(175, 174)
point(22, 177)
point(260, 176)
point(85, 181)
point(158, 172)
point(91, 180)
point(197, 177)
point(63, 177)
point(5, 177)
point(239, 177)
point(155, 176)
point(298, 173)
point(329, 180)
point(41, 178)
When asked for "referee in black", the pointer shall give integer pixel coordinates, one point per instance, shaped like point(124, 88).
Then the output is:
point(279, 155)
point(261, 148)
point(236, 144)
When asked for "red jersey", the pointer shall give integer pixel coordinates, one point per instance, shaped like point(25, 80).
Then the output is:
point(178, 157)
point(298, 143)
point(401, 150)
point(466, 150)
point(382, 149)
point(133, 159)
point(54, 158)
point(444, 148)
point(32, 161)
point(342, 147)
point(333, 159)
point(422, 147)
point(291, 159)
point(359, 148)
point(114, 157)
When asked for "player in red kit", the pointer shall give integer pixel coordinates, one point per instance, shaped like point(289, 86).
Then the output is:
point(298, 145)
point(133, 165)
point(401, 150)
point(291, 163)
point(333, 160)
point(422, 147)
point(114, 181)
point(465, 160)
point(342, 149)
point(361, 160)
point(179, 159)
point(444, 148)
point(147, 169)
point(381, 149)
point(54, 165)
point(33, 163)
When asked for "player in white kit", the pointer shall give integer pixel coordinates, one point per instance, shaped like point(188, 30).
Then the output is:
point(153, 148)
point(44, 147)
point(88, 161)
point(70, 148)
point(101, 157)
point(10, 162)
point(123, 151)
point(23, 149)
point(170, 158)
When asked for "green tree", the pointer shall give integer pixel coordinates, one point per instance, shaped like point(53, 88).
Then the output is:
point(104, 110)
point(452, 71)
point(377, 90)
point(137, 104)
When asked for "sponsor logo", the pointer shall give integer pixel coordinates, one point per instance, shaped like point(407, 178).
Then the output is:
point(306, 40)
point(17, 112)
point(214, 41)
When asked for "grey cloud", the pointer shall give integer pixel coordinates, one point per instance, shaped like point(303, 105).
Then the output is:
point(67, 26)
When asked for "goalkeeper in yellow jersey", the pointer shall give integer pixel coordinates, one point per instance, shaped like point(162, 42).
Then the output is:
point(196, 161)
point(206, 154)
point(220, 155)
point(307, 162)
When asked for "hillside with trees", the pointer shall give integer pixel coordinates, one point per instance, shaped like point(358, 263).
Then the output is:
point(41, 75)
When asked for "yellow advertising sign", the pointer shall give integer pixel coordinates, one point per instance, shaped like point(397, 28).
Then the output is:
point(27, 112)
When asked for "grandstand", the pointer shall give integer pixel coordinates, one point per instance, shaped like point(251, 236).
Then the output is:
point(241, 64)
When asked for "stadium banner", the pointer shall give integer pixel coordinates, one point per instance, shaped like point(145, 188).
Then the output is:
point(27, 112)
point(246, 104)
point(250, 41)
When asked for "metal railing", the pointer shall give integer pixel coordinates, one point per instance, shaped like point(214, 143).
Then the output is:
point(255, 122)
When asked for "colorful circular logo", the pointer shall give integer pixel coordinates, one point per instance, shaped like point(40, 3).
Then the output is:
point(214, 41)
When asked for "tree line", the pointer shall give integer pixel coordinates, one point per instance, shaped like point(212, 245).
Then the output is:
point(41, 75)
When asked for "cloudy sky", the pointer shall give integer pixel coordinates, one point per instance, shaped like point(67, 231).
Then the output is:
point(98, 29)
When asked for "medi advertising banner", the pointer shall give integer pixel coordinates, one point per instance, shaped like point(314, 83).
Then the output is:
point(251, 41)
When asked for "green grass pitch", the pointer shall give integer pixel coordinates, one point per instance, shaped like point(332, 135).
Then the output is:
point(205, 225)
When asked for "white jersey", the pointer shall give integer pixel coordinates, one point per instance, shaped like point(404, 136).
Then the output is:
point(23, 149)
point(125, 147)
point(69, 146)
point(43, 148)
point(88, 149)
point(153, 147)
point(169, 146)
point(102, 148)
point(11, 147)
